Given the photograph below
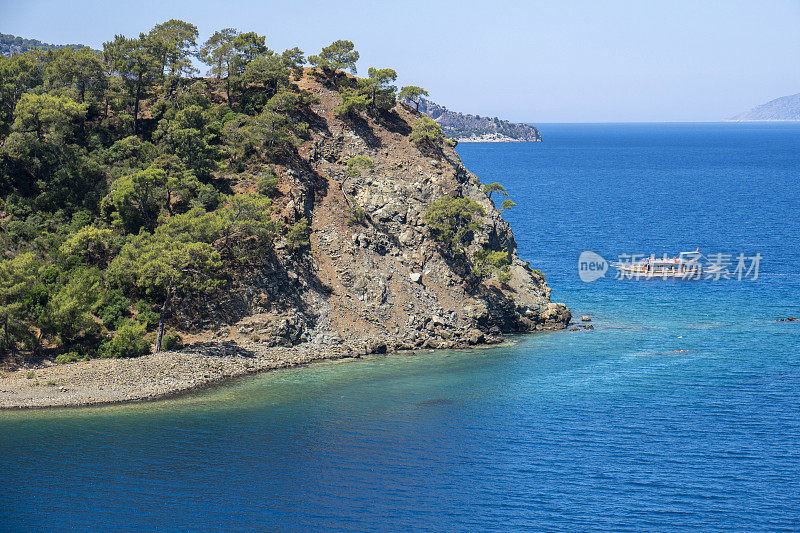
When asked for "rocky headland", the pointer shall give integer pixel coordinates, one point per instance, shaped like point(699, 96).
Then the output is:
point(375, 284)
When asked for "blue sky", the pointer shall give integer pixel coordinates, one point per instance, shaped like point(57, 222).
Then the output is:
point(536, 61)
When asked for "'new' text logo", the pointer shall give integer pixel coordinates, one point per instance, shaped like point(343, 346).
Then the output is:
point(591, 266)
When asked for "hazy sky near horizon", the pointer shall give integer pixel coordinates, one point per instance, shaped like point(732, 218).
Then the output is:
point(532, 61)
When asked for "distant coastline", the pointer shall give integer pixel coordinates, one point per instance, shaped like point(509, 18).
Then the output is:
point(493, 138)
point(465, 127)
point(783, 109)
point(763, 120)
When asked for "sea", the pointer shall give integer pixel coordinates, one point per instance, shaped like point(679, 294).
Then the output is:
point(679, 411)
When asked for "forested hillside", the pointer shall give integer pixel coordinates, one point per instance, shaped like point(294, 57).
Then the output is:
point(11, 44)
point(137, 198)
point(117, 175)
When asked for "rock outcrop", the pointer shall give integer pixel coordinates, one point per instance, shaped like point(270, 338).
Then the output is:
point(384, 283)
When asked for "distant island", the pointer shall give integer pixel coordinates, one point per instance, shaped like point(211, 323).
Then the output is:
point(783, 108)
point(475, 128)
point(12, 44)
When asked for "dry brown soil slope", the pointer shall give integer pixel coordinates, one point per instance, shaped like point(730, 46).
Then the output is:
point(384, 284)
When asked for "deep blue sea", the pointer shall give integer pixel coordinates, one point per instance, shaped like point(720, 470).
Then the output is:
point(679, 412)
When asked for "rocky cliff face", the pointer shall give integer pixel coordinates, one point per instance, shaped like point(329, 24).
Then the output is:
point(383, 284)
point(473, 128)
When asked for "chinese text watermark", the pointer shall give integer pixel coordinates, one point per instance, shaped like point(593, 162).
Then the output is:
point(686, 265)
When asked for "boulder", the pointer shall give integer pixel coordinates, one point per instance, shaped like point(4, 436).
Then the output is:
point(476, 337)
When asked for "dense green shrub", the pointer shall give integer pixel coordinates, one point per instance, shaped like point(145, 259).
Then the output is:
point(298, 235)
point(70, 357)
point(112, 308)
point(128, 341)
point(452, 221)
point(352, 102)
point(172, 340)
point(208, 198)
point(357, 164)
point(145, 315)
point(268, 184)
point(489, 262)
point(426, 132)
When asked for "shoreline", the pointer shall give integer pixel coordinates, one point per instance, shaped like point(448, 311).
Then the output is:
point(148, 377)
point(100, 382)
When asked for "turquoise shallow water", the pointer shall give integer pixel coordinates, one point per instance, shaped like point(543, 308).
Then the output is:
point(681, 411)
